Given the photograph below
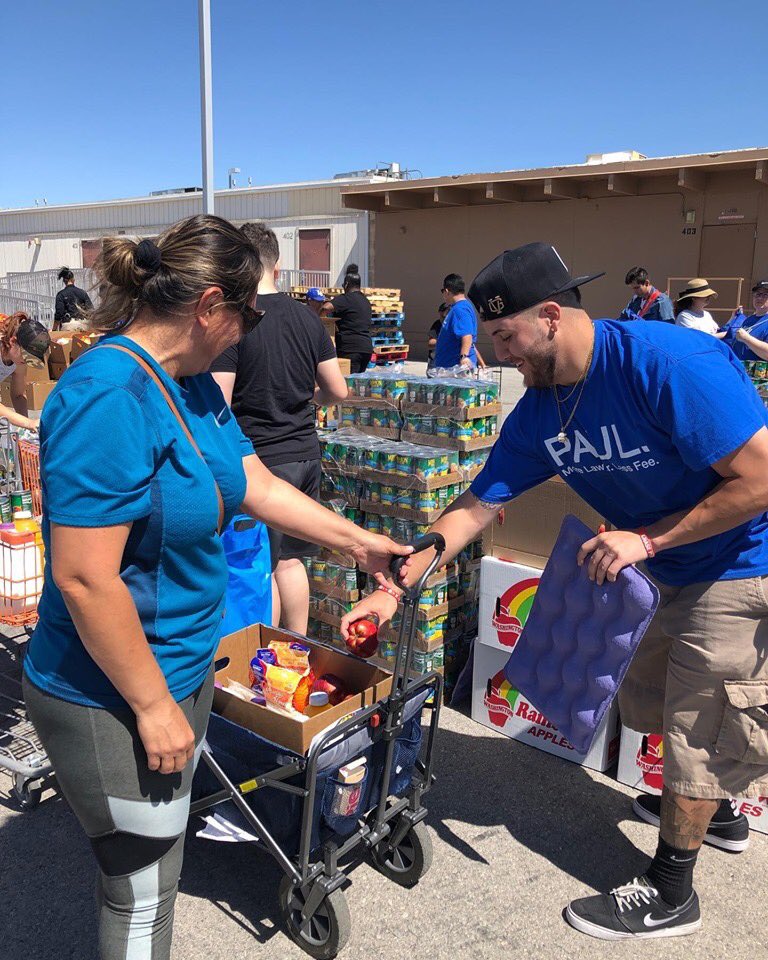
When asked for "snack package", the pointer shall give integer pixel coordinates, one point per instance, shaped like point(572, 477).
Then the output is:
point(256, 667)
point(280, 685)
point(291, 655)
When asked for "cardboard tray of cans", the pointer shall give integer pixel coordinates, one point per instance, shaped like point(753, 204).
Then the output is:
point(396, 510)
point(451, 413)
point(450, 443)
point(395, 480)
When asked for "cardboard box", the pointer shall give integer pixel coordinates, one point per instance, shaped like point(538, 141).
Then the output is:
point(345, 365)
point(506, 594)
point(330, 327)
point(233, 656)
point(61, 347)
point(5, 393)
point(56, 370)
point(527, 528)
point(641, 765)
point(80, 343)
point(38, 393)
point(36, 371)
point(499, 706)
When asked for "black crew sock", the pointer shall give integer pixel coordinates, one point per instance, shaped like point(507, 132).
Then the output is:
point(671, 872)
point(724, 813)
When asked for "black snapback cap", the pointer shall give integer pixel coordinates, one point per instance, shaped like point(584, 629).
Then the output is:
point(760, 285)
point(33, 337)
point(520, 278)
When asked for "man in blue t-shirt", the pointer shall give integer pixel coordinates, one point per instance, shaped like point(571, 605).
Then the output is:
point(662, 433)
point(456, 340)
point(748, 336)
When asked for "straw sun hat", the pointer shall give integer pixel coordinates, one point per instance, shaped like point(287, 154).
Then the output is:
point(697, 287)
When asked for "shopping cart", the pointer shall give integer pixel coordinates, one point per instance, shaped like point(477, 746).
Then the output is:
point(21, 754)
point(302, 829)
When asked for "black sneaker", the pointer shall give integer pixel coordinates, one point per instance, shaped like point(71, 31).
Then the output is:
point(731, 834)
point(633, 912)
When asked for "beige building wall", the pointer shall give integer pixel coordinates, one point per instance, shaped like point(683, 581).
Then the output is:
point(728, 235)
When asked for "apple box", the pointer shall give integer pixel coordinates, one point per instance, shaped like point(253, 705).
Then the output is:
point(366, 683)
point(641, 765)
point(496, 704)
point(506, 595)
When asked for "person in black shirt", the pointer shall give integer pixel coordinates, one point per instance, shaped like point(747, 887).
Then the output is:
point(271, 379)
point(71, 302)
point(434, 333)
point(353, 324)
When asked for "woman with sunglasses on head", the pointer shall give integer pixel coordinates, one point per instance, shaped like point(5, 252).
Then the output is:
point(142, 463)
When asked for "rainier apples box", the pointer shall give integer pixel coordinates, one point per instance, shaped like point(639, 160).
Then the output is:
point(641, 765)
point(506, 595)
point(498, 705)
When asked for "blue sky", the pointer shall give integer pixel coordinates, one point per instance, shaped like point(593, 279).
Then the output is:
point(100, 98)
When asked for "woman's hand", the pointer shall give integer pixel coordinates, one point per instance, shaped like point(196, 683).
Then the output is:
point(374, 552)
point(167, 736)
point(610, 553)
point(378, 602)
point(736, 312)
point(28, 424)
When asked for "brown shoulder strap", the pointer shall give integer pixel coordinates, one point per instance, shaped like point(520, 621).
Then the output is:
point(151, 373)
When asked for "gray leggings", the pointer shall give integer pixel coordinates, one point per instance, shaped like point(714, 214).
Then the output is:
point(135, 818)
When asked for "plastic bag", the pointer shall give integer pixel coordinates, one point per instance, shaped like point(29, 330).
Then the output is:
point(249, 585)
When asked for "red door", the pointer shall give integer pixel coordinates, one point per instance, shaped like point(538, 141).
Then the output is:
point(315, 250)
point(91, 249)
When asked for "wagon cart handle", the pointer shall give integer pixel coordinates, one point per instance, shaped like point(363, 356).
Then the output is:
point(436, 540)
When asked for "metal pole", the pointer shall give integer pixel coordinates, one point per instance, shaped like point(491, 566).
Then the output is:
point(206, 103)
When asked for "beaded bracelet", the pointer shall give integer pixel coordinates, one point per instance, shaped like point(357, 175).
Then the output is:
point(393, 593)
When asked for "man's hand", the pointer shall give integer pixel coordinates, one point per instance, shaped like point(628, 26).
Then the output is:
point(466, 363)
point(377, 602)
point(167, 736)
point(741, 334)
point(374, 552)
point(610, 553)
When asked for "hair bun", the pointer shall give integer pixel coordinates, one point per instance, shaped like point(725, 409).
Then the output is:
point(148, 256)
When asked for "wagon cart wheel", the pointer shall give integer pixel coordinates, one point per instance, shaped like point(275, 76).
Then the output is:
point(27, 797)
point(326, 932)
point(406, 863)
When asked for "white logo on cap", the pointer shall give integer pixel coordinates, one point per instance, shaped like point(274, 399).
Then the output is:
point(496, 304)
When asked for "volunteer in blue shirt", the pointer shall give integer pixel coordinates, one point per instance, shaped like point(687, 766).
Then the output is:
point(661, 432)
point(647, 303)
point(456, 340)
point(141, 463)
point(750, 334)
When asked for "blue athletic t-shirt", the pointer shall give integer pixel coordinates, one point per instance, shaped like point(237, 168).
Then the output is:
point(660, 405)
point(460, 322)
point(112, 452)
point(756, 327)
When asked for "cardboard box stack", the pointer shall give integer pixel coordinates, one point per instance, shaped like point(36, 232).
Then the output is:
point(516, 550)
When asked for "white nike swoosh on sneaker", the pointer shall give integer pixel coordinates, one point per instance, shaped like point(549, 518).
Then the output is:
point(650, 922)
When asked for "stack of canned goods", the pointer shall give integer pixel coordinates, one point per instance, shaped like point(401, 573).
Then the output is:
point(375, 384)
point(409, 499)
point(351, 453)
point(363, 418)
point(451, 393)
point(757, 371)
point(471, 459)
point(331, 574)
point(416, 423)
point(322, 603)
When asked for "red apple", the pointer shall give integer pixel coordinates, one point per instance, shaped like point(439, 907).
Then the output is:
point(363, 639)
point(330, 684)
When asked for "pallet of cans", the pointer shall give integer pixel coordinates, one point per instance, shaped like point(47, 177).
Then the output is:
point(351, 453)
point(757, 371)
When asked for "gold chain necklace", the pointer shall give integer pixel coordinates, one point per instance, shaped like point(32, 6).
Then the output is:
point(562, 436)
